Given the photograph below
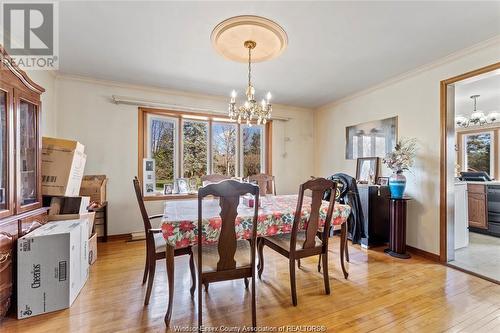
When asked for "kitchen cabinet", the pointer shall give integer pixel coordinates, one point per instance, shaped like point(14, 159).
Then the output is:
point(477, 206)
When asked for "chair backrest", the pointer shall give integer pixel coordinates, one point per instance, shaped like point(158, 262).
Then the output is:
point(142, 207)
point(213, 178)
point(265, 182)
point(229, 193)
point(317, 186)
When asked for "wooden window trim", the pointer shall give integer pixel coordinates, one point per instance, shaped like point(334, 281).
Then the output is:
point(142, 143)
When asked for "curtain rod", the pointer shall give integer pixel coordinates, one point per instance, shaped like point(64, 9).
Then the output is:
point(172, 107)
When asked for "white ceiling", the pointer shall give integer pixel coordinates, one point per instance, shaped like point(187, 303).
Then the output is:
point(488, 86)
point(335, 48)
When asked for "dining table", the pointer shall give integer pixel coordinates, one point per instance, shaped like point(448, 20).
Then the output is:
point(276, 214)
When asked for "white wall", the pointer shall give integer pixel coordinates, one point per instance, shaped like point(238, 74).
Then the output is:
point(415, 99)
point(47, 80)
point(109, 132)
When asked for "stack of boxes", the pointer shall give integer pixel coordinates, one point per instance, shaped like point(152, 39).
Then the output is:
point(53, 260)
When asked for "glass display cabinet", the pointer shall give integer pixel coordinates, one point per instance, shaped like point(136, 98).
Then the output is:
point(20, 166)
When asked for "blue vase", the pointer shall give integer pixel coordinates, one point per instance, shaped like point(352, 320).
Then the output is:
point(397, 184)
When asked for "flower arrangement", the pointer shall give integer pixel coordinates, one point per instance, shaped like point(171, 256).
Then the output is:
point(403, 155)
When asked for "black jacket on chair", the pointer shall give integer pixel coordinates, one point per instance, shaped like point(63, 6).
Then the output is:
point(349, 195)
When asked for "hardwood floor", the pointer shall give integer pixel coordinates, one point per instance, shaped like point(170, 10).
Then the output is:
point(382, 294)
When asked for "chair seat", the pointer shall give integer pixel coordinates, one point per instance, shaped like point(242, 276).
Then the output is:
point(160, 243)
point(211, 256)
point(283, 240)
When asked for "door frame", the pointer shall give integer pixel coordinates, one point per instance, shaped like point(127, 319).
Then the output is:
point(447, 129)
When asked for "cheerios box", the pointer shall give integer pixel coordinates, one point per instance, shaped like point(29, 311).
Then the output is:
point(52, 267)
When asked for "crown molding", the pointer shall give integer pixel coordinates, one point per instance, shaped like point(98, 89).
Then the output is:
point(414, 72)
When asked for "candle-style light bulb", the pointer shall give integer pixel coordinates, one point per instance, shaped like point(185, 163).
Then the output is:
point(233, 96)
point(268, 96)
point(263, 103)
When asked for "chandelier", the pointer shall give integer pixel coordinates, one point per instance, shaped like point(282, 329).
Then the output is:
point(477, 117)
point(251, 109)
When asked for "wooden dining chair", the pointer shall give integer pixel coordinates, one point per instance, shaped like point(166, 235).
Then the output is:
point(266, 183)
point(303, 243)
point(213, 178)
point(156, 246)
point(229, 259)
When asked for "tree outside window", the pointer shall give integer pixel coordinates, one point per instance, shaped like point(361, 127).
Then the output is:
point(195, 143)
point(252, 145)
point(224, 149)
point(162, 137)
point(478, 150)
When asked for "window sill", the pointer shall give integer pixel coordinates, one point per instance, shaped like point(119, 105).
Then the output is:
point(164, 197)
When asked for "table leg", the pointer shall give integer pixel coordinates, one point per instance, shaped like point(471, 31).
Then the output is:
point(170, 277)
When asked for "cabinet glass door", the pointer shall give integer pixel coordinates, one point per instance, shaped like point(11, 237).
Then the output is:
point(4, 181)
point(28, 149)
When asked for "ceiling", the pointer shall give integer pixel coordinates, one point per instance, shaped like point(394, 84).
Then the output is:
point(335, 48)
point(488, 86)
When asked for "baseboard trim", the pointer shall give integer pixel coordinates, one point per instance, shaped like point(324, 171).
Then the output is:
point(422, 253)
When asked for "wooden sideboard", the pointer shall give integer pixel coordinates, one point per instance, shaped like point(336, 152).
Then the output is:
point(20, 166)
point(477, 206)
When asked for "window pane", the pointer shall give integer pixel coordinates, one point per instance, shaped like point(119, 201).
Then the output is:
point(195, 149)
point(224, 149)
point(3, 151)
point(28, 150)
point(162, 143)
point(252, 150)
point(478, 147)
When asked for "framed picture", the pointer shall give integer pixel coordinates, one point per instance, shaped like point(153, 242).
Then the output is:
point(149, 179)
point(367, 169)
point(371, 139)
point(167, 188)
point(181, 186)
point(383, 181)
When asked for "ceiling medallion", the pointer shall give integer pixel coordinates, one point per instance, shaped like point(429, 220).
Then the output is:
point(477, 117)
point(245, 39)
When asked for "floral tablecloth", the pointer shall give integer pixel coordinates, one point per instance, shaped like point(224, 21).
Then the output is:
point(180, 219)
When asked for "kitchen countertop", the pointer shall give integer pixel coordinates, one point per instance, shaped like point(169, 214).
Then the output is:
point(493, 182)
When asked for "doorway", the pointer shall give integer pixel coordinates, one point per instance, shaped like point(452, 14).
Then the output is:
point(470, 155)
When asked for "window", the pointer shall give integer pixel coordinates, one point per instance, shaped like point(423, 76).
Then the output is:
point(224, 149)
point(252, 150)
point(478, 152)
point(195, 149)
point(161, 143)
point(193, 145)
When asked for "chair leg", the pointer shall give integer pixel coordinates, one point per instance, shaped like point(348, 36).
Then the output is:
point(293, 287)
point(146, 269)
point(319, 263)
point(325, 272)
point(193, 274)
point(246, 282)
point(254, 306)
point(343, 244)
point(199, 304)
point(152, 269)
point(206, 286)
point(260, 249)
point(346, 247)
point(298, 263)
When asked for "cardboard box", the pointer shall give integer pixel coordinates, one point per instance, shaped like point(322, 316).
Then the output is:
point(93, 249)
point(63, 163)
point(94, 186)
point(52, 267)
